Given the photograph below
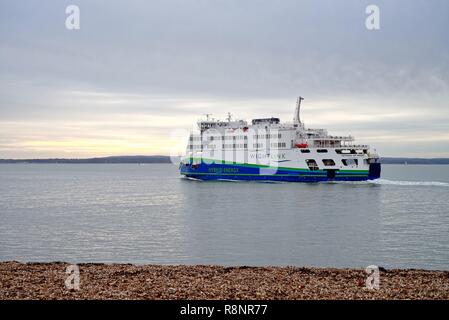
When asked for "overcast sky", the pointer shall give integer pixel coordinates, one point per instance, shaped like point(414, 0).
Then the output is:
point(138, 70)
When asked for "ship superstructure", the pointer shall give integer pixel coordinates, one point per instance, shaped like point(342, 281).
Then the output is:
point(267, 149)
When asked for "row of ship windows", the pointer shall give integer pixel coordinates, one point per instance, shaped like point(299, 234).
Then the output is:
point(240, 145)
point(234, 145)
point(228, 138)
point(267, 136)
point(239, 137)
point(272, 145)
point(318, 150)
point(338, 151)
point(311, 163)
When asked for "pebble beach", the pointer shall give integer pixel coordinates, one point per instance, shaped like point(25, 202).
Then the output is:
point(126, 281)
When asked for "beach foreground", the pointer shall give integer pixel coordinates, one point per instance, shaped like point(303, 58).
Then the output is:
point(126, 281)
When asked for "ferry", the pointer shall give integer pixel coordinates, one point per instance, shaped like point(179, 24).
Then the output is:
point(269, 150)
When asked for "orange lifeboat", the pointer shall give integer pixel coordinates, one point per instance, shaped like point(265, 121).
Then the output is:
point(301, 145)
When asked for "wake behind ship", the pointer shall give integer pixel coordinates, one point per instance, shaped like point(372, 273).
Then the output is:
point(268, 150)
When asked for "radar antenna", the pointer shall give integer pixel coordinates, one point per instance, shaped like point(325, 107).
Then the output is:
point(207, 115)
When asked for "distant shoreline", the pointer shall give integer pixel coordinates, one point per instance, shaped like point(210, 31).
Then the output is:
point(168, 282)
point(167, 159)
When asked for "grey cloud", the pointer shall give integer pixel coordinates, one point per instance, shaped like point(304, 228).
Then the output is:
point(172, 58)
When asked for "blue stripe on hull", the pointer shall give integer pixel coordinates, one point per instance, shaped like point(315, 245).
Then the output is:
point(237, 172)
point(274, 178)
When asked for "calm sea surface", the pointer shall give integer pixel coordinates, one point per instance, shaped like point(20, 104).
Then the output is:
point(148, 214)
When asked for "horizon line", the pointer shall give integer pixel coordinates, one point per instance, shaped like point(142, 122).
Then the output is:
point(168, 156)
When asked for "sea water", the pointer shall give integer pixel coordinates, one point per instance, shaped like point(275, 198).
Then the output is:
point(149, 214)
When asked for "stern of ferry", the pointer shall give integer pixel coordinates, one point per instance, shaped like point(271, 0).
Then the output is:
point(374, 166)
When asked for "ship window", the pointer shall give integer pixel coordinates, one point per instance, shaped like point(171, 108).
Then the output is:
point(350, 162)
point(305, 150)
point(313, 166)
point(322, 151)
point(278, 145)
point(328, 162)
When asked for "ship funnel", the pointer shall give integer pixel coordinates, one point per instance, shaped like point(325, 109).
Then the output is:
point(297, 119)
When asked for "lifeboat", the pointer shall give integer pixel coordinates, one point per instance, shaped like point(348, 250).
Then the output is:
point(301, 145)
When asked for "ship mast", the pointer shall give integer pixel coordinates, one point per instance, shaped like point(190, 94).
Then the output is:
point(297, 119)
